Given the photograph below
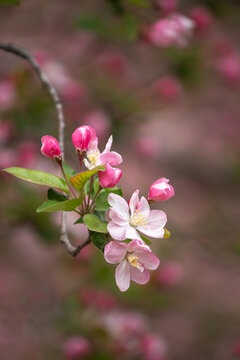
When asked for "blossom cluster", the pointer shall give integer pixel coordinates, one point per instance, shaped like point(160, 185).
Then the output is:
point(117, 227)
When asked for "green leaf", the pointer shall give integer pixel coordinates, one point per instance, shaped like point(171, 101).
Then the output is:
point(99, 240)
point(166, 233)
point(38, 177)
point(55, 195)
point(68, 170)
point(51, 205)
point(146, 240)
point(92, 22)
point(9, 2)
point(80, 179)
point(102, 199)
point(96, 185)
point(79, 221)
point(94, 223)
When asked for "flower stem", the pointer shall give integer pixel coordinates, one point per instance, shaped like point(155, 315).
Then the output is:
point(93, 200)
point(65, 177)
point(89, 193)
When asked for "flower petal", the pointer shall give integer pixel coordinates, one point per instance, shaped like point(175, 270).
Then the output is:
point(122, 275)
point(136, 245)
point(148, 259)
point(134, 202)
point(144, 207)
point(117, 218)
point(156, 222)
point(114, 252)
point(111, 158)
point(117, 232)
point(139, 277)
point(108, 145)
point(119, 204)
point(131, 233)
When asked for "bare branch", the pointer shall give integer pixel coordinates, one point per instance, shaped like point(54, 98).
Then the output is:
point(24, 54)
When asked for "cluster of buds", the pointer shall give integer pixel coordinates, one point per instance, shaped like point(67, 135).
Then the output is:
point(117, 227)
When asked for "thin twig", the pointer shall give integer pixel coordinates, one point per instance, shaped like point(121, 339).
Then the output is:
point(80, 247)
point(24, 54)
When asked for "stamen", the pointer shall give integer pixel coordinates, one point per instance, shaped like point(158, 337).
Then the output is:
point(138, 219)
point(134, 262)
point(93, 157)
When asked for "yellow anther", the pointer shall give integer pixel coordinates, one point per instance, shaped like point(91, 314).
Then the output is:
point(138, 219)
point(93, 157)
point(134, 261)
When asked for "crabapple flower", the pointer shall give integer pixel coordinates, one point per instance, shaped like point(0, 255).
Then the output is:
point(50, 147)
point(127, 220)
point(95, 158)
point(175, 30)
point(99, 120)
point(110, 177)
point(160, 190)
point(135, 260)
point(82, 136)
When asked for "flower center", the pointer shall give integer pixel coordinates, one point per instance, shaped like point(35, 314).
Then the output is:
point(93, 157)
point(138, 219)
point(134, 262)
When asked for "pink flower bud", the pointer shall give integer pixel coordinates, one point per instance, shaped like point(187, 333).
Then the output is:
point(170, 274)
point(229, 68)
point(76, 347)
point(50, 147)
point(82, 136)
point(99, 120)
point(110, 177)
point(168, 88)
point(168, 6)
point(202, 18)
point(160, 190)
point(153, 347)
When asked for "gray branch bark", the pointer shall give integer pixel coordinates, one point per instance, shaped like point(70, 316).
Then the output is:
point(24, 54)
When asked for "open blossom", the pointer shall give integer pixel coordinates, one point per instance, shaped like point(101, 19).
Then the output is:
point(127, 220)
point(110, 177)
point(172, 31)
point(50, 147)
point(202, 18)
point(160, 190)
point(135, 260)
point(96, 158)
point(82, 136)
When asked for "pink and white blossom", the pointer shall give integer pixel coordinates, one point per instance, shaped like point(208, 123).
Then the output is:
point(82, 136)
point(96, 158)
point(135, 260)
point(110, 177)
point(50, 147)
point(128, 220)
point(176, 30)
point(160, 190)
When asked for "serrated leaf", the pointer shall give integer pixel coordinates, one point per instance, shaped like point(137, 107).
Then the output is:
point(52, 206)
point(166, 233)
point(96, 185)
point(55, 195)
point(80, 179)
point(38, 177)
point(94, 223)
point(146, 240)
point(102, 199)
point(99, 240)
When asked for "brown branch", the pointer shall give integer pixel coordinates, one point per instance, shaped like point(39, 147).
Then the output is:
point(14, 49)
